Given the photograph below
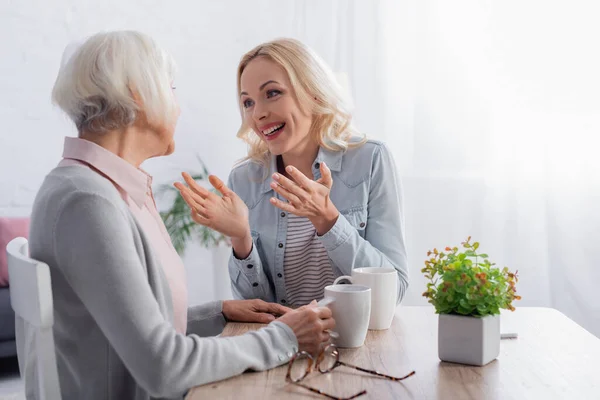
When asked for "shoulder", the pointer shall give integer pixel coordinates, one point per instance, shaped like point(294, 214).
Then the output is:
point(74, 202)
point(359, 162)
point(77, 179)
point(66, 187)
point(369, 148)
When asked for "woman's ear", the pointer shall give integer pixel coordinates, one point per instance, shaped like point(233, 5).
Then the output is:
point(136, 97)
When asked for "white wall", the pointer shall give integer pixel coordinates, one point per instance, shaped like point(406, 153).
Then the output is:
point(491, 109)
point(207, 38)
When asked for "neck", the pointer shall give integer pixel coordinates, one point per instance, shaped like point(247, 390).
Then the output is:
point(302, 157)
point(132, 144)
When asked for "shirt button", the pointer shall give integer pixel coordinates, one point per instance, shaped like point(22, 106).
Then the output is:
point(290, 354)
point(281, 357)
point(279, 275)
point(282, 214)
point(255, 284)
point(282, 301)
point(250, 266)
point(280, 245)
point(362, 224)
point(317, 165)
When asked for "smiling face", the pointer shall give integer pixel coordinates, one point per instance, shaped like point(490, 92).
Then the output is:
point(271, 109)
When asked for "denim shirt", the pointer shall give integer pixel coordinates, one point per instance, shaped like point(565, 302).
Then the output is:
point(369, 231)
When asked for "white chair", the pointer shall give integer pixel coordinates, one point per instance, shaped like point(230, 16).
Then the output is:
point(31, 299)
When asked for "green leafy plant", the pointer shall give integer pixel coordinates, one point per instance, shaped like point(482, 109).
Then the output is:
point(178, 219)
point(467, 283)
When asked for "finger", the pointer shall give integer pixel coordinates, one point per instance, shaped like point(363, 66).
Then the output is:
point(199, 216)
point(324, 336)
point(328, 323)
point(278, 309)
point(200, 219)
point(188, 196)
point(219, 185)
point(197, 199)
point(181, 187)
point(263, 318)
point(298, 177)
point(324, 312)
point(201, 212)
point(198, 211)
point(193, 185)
point(274, 308)
point(183, 191)
point(285, 193)
point(290, 186)
point(284, 206)
point(196, 207)
point(312, 304)
point(325, 179)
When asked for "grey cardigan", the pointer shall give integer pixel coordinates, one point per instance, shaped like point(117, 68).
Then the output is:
point(113, 317)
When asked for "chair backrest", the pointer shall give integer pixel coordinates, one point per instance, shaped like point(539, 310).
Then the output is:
point(31, 299)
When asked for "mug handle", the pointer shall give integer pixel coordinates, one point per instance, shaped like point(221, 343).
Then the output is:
point(324, 303)
point(343, 278)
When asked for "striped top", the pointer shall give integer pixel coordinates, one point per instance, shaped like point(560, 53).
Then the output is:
point(306, 265)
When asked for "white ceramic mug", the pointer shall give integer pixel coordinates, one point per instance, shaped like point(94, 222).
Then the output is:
point(351, 309)
point(384, 293)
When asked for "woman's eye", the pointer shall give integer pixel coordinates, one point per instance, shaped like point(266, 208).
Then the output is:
point(248, 103)
point(273, 93)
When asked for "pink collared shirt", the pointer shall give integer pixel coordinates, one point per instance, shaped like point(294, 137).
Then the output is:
point(135, 187)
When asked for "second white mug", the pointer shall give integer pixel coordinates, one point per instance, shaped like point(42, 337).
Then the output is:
point(384, 293)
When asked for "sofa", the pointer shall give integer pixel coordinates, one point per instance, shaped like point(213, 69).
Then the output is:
point(8, 346)
point(10, 228)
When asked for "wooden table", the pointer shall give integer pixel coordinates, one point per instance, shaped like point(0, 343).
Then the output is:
point(553, 358)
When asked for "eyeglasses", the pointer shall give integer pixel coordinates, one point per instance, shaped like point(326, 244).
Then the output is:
point(328, 359)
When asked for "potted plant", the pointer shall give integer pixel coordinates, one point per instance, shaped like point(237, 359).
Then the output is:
point(468, 292)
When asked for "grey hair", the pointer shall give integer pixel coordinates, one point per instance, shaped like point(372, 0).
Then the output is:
point(96, 85)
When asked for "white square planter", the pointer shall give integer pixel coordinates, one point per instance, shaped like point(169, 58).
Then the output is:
point(468, 340)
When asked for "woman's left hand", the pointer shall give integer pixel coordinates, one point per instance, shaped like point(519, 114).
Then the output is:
point(252, 311)
point(307, 198)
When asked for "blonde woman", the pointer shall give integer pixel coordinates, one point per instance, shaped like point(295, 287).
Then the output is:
point(123, 328)
point(313, 200)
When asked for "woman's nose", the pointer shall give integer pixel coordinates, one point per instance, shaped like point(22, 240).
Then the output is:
point(260, 113)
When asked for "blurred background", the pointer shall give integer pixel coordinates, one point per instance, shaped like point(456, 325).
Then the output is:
point(491, 109)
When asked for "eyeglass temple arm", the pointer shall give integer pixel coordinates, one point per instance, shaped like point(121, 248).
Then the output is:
point(328, 395)
point(369, 371)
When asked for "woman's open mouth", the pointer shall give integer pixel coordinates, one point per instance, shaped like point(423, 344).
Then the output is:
point(274, 131)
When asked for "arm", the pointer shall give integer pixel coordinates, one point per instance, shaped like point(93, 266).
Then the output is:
point(248, 280)
point(383, 245)
point(96, 252)
point(206, 319)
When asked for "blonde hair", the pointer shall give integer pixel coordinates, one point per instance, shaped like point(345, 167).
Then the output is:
point(316, 89)
point(96, 84)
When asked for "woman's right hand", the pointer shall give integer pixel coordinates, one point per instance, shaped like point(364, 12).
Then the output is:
point(227, 214)
point(309, 324)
